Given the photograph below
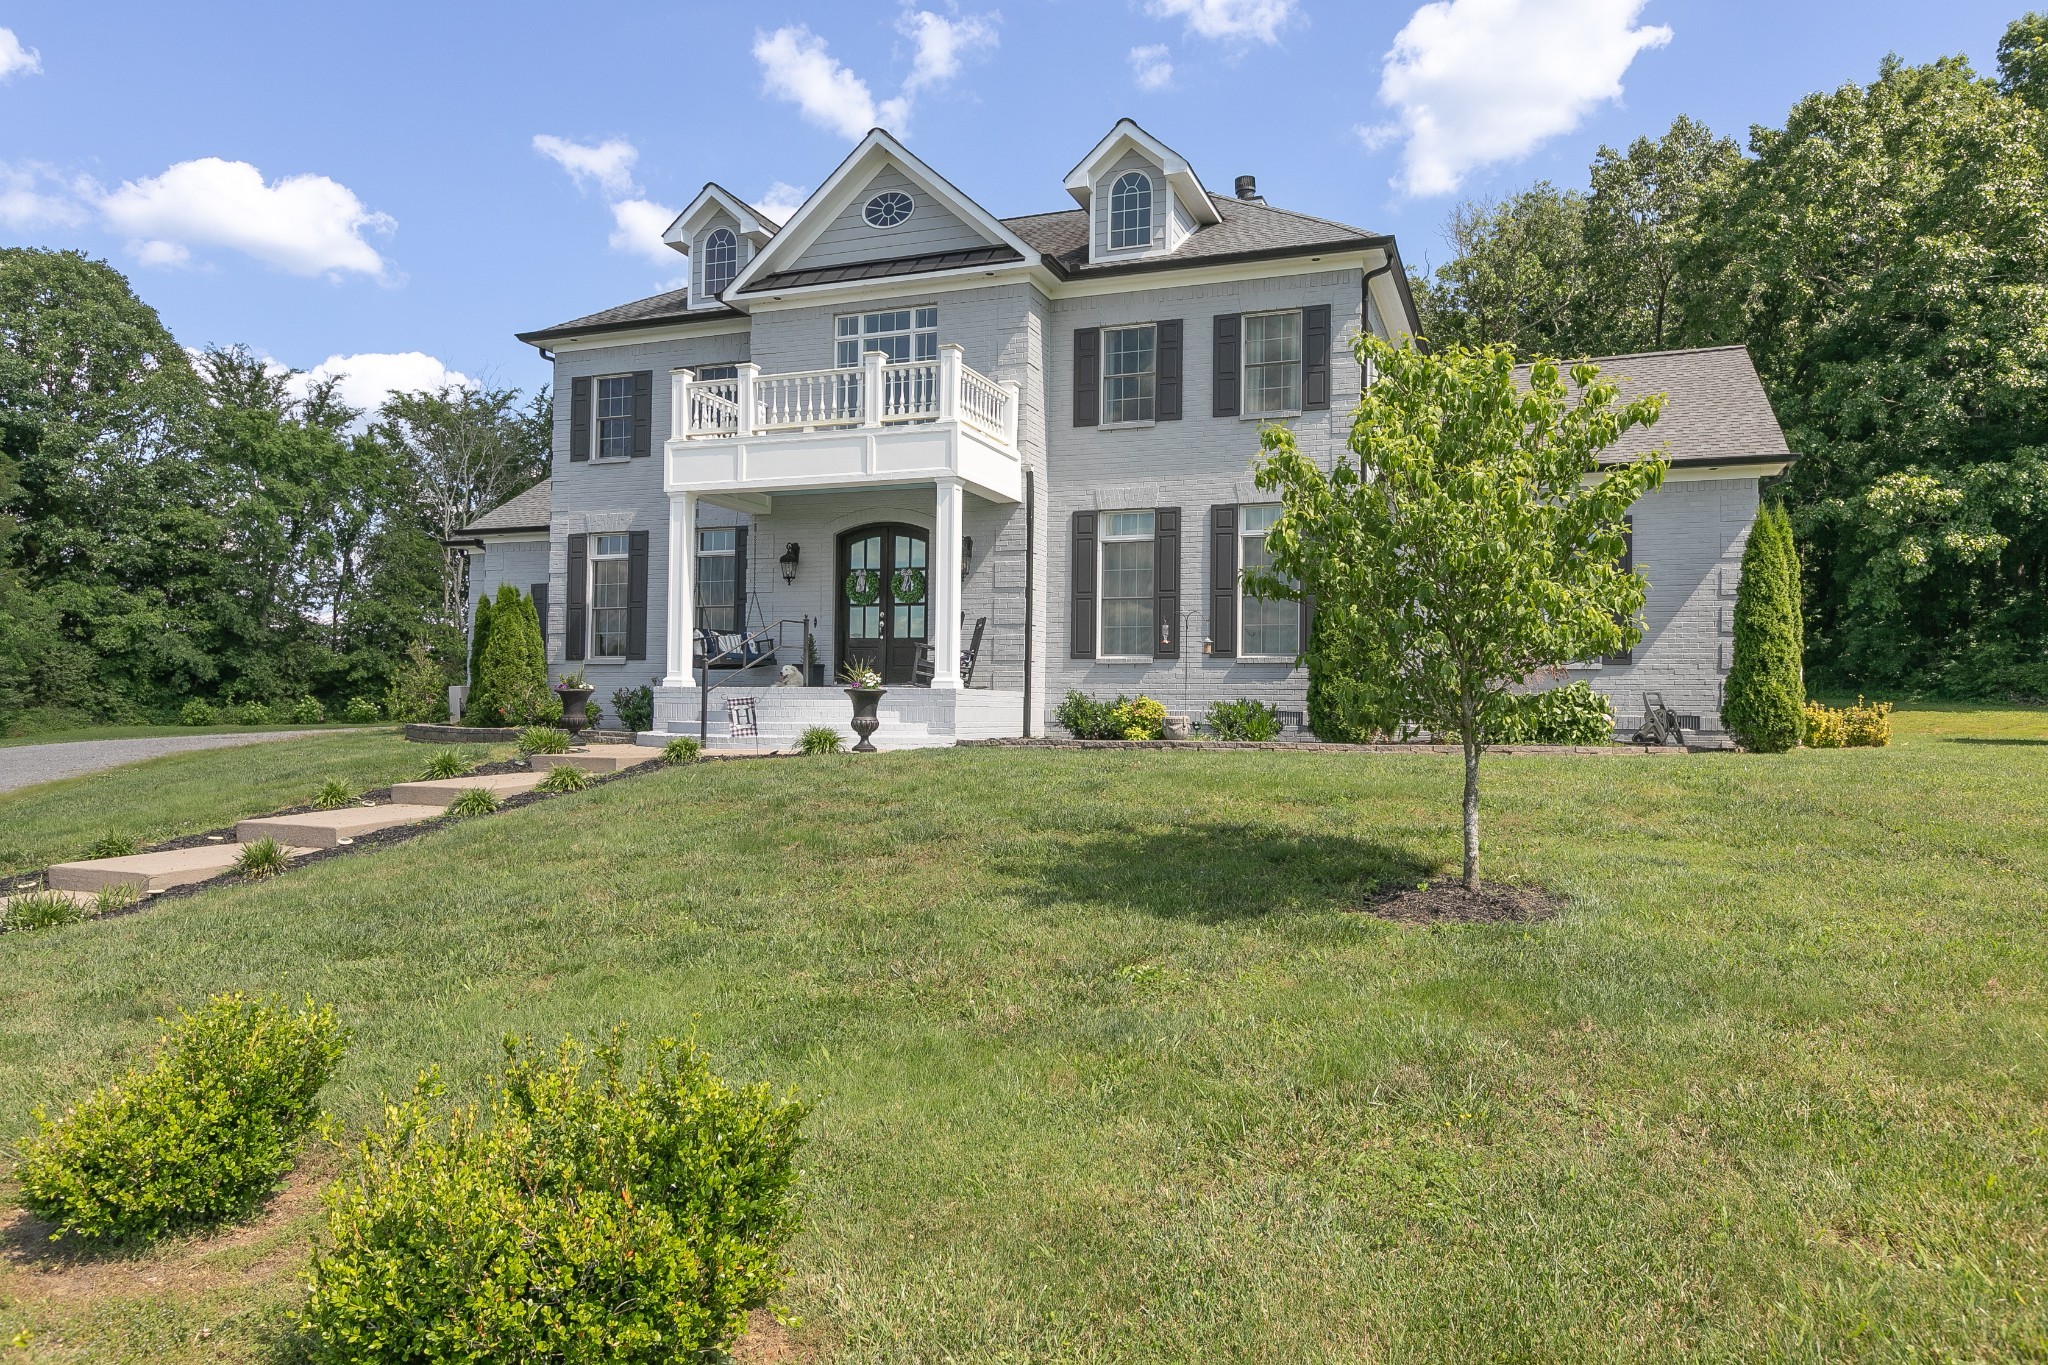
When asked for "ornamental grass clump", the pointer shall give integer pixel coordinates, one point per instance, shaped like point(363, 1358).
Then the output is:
point(198, 1135)
point(474, 801)
point(683, 750)
point(820, 739)
point(264, 858)
point(333, 795)
point(33, 910)
point(564, 778)
point(589, 1211)
point(112, 845)
point(543, 739)
point(445, 763)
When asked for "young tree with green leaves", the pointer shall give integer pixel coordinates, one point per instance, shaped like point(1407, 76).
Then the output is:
point(1764, 699)
point(1470, 538)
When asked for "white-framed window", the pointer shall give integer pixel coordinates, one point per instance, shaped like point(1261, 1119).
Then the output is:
point(721, 261)
point(718, 578)
point(900, 334)
point(611, 434)
point(1126, 584)
point(1130, 372)
point(1268, 628)
point(1130, 211)
point(608, 572)
point(890, 208)
point(1272, 363)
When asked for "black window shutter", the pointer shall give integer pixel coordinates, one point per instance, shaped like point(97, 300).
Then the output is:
point(539, 593)
point(1628, 565)
point(643, 421)
point(739, 578)
point(1081, 618)
point(1087, 376)
point(1166, 582)
point(636, 595)
point(1223, 580)
point(1166, 355)
point(579, 422)
point(1315, 358)
point(1229, 331)
point(574, 629)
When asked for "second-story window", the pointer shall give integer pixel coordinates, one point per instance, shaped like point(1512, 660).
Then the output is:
point(721, 261)
point(1272, 362)
point(901, 334)
point(608, 604)
point(1129, 373)
point(1127, 584)
point(613, 429)
point(1130, 211)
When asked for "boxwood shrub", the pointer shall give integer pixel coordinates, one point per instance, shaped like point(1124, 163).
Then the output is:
point(197, 1136)
point(589, 1212)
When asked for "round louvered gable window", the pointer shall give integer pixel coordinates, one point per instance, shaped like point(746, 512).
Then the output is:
point(887, 209)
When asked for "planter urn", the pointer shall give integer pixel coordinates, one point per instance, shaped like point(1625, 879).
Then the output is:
point(574, 700)
point(1178, 727)
point(865, 721)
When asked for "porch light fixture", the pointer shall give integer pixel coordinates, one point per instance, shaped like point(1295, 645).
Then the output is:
point(788, 562)
point(966, 554)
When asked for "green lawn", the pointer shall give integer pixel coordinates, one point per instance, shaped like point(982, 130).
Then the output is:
point(71, 734)
point(1108, 1069)
point(162, 798)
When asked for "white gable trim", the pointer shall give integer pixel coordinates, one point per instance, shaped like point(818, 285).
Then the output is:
point(1187, 186)
point(876, 150)
point(713, 197)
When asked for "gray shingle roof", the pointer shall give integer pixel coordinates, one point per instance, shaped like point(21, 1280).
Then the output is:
point(530, 511)
point(1247, 229)
point(652, 311)
point(1716, 413)
point(876, 270)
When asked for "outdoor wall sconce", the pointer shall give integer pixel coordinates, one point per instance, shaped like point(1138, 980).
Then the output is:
point(788, 561)
point(966, 554)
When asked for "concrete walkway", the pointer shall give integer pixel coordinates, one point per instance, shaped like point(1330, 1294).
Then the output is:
point(24, 765)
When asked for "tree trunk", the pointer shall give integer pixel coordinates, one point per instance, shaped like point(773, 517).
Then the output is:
point(1471, 796)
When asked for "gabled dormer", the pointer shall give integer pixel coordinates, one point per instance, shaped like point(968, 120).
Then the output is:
point(1142, 197)
point(720, 233)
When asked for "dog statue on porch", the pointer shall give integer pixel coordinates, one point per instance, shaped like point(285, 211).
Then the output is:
point(792, 676)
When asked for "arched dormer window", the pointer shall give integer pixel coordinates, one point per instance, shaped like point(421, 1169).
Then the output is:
point(1130, 211)
point(721, 261)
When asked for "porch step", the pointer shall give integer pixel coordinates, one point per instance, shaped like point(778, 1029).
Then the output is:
point(327, 828)
point(156, 871)
point(600, 758)
point(438, 792)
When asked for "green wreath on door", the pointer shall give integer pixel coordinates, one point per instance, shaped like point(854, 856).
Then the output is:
point(909, 586)
point(863, 588)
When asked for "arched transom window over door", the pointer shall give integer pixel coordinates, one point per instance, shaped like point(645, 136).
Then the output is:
point(1130, 211)
point(721, 261)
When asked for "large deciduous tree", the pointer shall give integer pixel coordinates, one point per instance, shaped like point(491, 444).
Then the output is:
point(1469, 540)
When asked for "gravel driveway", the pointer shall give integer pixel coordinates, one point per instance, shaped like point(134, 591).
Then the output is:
point(24, 765)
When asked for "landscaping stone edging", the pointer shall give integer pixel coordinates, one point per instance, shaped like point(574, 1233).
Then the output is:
point(1318, 747)
point(501, 734)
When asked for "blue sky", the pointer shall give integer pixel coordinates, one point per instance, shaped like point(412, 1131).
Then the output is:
point(363, 185)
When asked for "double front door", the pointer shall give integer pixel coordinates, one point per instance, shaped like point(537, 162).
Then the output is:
point(883, 598)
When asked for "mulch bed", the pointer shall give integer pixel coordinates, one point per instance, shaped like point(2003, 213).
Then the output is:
point(1450, 903)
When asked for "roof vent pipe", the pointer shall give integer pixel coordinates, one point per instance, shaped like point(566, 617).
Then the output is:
point(1248, 189)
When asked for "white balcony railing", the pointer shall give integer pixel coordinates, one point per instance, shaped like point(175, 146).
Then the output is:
point(878, 394)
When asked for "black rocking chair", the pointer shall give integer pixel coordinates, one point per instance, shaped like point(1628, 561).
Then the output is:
point(922, 672)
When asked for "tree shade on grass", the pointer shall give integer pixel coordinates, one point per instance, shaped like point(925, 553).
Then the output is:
point(1764, 699)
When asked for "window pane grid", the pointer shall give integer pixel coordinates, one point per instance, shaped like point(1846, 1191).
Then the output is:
point(608, 597)
point(1129, 374)
point(615, 417)
point(900, 335)
point(717, 580)
point(1127, 584)
point(1130, 211)
point(721, 261)
point(1271, 626)
point(1272, 362)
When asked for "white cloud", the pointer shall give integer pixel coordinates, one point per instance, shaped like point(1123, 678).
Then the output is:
point(782, 200)
point(797, 68)
point(1475, 82)
point(608, 163)
point(163, 255)
point(26, 203)
point(16, 60)
point(1228, 20)
point(637, 228)
point(1150, 66)
point(305, 224)
point(367, 378)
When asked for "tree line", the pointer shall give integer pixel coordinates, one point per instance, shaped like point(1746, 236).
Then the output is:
point(1884, 255)
point(177, 525)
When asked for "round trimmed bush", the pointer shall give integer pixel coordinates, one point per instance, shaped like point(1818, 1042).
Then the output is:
point(197, 712)
point(308, 711)
point(362, 711)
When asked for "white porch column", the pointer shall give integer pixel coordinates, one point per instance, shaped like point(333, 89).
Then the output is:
point(871, 395)
point(942, 596)
point(682, 588)
point(748, 373)
point(678, 403)
point(952, 356)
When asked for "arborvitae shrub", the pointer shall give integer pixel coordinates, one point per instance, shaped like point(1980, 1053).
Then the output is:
point(479, 636)
point(1763, 700)
point(199, 1135)
point(589, 1212)
point(513, 673)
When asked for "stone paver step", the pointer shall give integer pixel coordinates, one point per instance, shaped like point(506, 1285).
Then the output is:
point(328, 828)
point(156, 871)
point(440, 791)
point(600, 758)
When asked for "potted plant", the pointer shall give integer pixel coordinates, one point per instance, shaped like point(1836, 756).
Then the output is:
point(574, 690)
point(864, 685)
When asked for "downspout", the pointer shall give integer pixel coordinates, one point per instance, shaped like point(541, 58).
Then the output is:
point(1030, 567)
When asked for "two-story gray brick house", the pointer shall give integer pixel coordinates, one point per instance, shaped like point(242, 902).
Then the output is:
point(1003, 458)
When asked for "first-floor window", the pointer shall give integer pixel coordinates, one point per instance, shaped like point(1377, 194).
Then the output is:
point(608, 596)
point(613, 430)
point(718, 579)
point(1271, 626)
point(1272, 362)
point(1129, 372)
point(1127, 584)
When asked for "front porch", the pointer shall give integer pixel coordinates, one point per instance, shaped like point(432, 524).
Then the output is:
point(912, 717)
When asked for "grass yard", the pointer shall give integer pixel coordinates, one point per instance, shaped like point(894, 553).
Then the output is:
point(71, 734)
point(162, 798)
point(1107, 1068)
